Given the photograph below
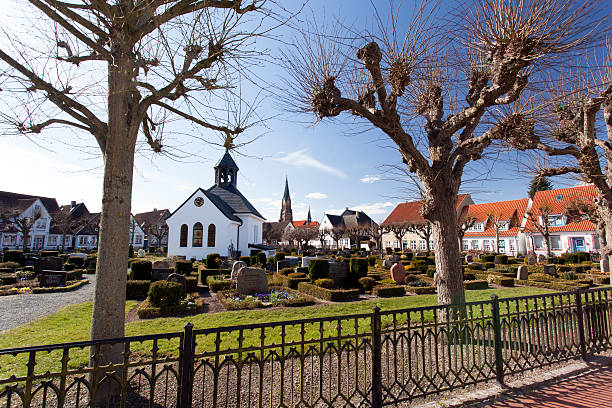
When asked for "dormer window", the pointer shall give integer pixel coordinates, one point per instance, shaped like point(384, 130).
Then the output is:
point(504, 225)
point(559, 197)
point(556, 221)
point(476, 227)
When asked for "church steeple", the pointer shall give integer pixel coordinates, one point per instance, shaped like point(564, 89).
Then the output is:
point(309, 218)
point(226, 171)
point(286, 213)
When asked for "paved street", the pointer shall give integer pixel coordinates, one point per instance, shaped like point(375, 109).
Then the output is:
point(22, 309)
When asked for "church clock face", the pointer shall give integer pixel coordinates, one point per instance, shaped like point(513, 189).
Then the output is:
point(199, 201)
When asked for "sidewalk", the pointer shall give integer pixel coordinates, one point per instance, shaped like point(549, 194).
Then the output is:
point(592, 389)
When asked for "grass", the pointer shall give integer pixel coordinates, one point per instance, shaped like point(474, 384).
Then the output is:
point(72, 323)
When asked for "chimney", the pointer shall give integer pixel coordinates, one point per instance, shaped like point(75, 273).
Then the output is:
point(72, 204)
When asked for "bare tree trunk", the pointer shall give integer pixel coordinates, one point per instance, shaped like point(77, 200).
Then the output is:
point(108, 320)
point(605, 237)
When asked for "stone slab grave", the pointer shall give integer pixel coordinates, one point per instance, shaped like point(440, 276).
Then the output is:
point(550, 270)
point(293, 261)
point(522, 273)
point(306, 261)
point(49, 263)
point(398, 273)
point(251, 280)
point(236, 267)
point(178, 278)
point(282, 265)
point(53, 278)
point(161, 270)
point(339, 272)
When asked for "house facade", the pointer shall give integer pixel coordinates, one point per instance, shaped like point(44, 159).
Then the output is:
point(217, 220)
point(350, 220)
point(153, 223)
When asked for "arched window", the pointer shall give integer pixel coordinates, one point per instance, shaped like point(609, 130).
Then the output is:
point(197, 234)
point(184, 232)
point(212, 230)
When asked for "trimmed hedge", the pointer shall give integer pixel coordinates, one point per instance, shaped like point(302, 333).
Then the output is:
point(183, 267)
point(389, 291)
point(318, 269)
point(506, 282)
point(211, 261)
point(14, 256)
point(191, 284)
point(367, 283)
point(261, 258)
point(246, 260)
point(358, 268)
point(419, 264)
point(500, 259)
point(476, 284)
point(487, 258)
point(165, 293)
point(293, 280)
point(204, 273)
point(71, 285)
point(137, 289)
point(141, 270)
point(325, 283)
point(77, 261)
point(551, 285)
point(147, 311)
point(216, 285)
point(332, 295)
point(421, 290)
point(303, 300)
point(9, 265)
point(540, 277)
point(286, 271)
point(372, 261)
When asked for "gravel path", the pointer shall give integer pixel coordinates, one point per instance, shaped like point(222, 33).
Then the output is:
point(21, 309)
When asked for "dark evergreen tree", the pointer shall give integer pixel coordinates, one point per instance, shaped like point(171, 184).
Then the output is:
point(539, 183)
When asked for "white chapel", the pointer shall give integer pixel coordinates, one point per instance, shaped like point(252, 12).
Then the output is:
point(218, 220)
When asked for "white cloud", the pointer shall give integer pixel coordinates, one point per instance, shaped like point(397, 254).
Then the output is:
point(184, 187)
point(316, 196)
point(369, 179)
point(302, 159)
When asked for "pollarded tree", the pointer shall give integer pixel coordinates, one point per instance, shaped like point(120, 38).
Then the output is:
point(423, 230)
point(408, 86)
point(497, 222)
point(540, 219)
point(464, 223)
point(579, 210)
point(22, 224)
point(122, 70)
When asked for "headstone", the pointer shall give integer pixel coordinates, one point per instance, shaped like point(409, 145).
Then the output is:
point(161, 274)
point(161, 265)
point(398, 273)
point(251, 280)
point(387, 263)
point(306, 260)
point(522, 272)
point(49, 263)
point(550, 270)
point(178, 278)
point(282, 265)
point(469, 258)
point(30, 260)
point(476, 265)
point(293, 261)
point(339, 272)
point(52, 278)
point(531, 259)
point(236, 267)
point(141, 253)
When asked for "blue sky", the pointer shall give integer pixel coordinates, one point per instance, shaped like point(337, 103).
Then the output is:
point(329, 166)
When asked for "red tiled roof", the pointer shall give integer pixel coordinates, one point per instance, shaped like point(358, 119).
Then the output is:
point(504, 209)
point(304, 224)
point(150, 217)
point(410, 212)
point(490, 232)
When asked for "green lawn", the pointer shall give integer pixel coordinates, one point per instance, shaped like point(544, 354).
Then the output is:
point(73, 324)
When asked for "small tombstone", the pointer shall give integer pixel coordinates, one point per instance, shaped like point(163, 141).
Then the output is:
point(293, 261)
point(339, 272)
point(282, 265)
point(398, 273)
point(550, 270)
point(387, 263)
point(141, 253)
point(469, 258)
point(53, 278)
point(531, 259)
point(251, 280)
point(178, 278)
point(49, 263)
point(161, 265)
point(522, 272)
point(236, 267)
point(306, 260)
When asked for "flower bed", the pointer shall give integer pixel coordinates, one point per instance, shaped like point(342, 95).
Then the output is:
point(232, 300)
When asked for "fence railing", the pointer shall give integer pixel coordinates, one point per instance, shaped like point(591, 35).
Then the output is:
point(375, 359)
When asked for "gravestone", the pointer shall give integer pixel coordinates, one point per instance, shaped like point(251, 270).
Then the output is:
point(161, 270)
point(141, 253)
point(550, 270)
point(522, 272)
point(52, 278)
point(251, 280)
point(293, 261)
point(49, 263)
point(531, 259)
point(398, 273)
point(30, 260)
point(236, 267)
point(469, 258)
point(282, 265)
point(306, 260)
point(161, 265)
point(178, 278)
point(339, 272)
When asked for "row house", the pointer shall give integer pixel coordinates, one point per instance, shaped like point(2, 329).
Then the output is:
point(153, 223)
point(353, 223)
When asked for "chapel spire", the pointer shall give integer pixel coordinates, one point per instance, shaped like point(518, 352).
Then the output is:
point(286, 213)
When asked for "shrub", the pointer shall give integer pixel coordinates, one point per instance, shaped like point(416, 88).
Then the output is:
point(431, 271)
point(420, 265)
point(389, 291)
point(204, 273)
point(358, 269)
point(141, 270)
point(24, 274)
point(14, 256)
point(569, 275)
point(137, 289)
point(183, 267)
point(253, 260)
point(246, 260)
point(216, 285)
point(332, 295)
point(325, 283)
point(410, 278)
point(417, 283)
point(280, 256)
point(318, 269)
point(501, 281)
point(540, 277)
point(261, 258)
point(476, 284)
point(9, 265)
point(211, 261)
point(293, 280)
point(487, 258)
point(367, 283)
point(297, 275)
point(302, 269)
point(372, 261)
point(77, 261)
point(388, 282)
point(488, 265)
point(501, 259)
point(422, 290)
point(69, 267)
point(286, 271)
point(191, 284)
point(48, 253)
point(165, 293)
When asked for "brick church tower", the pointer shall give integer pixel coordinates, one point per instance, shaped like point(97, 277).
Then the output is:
point(286, 213)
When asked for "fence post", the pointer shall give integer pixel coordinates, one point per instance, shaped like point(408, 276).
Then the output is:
point(580, 316)
point(186, 352)
point(377, 397)
point(499, 359)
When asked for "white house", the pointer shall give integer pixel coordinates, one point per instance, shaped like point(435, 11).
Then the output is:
point(218, 220)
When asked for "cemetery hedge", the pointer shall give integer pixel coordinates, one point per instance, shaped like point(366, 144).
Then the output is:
point(292, 280)
point(183, 267)
point(205, 273)
point(148, 311)
point(70, 285)
point(388, 291)
point(302, 300)
point(421, 290)
point(246, 260)
point(501, 281)
point(216, 285)
point(165, 293)
point(137, 289)
point(476, 284)
point(141, 270)
point(318, 269)
point(332, 295)
point(211, 261)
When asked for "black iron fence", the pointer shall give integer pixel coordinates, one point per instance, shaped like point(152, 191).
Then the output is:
point(383, 358)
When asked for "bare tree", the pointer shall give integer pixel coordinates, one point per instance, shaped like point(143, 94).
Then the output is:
point(375, 232)
point(157, 56)
point(497, 222)
point(302, 235)
point(402, 83)
point(66, 224)
point(272, 232)
point(321, 235)
point(159, 231)
point(22, 224)
point(464, 223)
point(355, 235)
point(398, 230)
point(423, 230)
point(336, 233)
point(579, 210)
point(540, 218)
